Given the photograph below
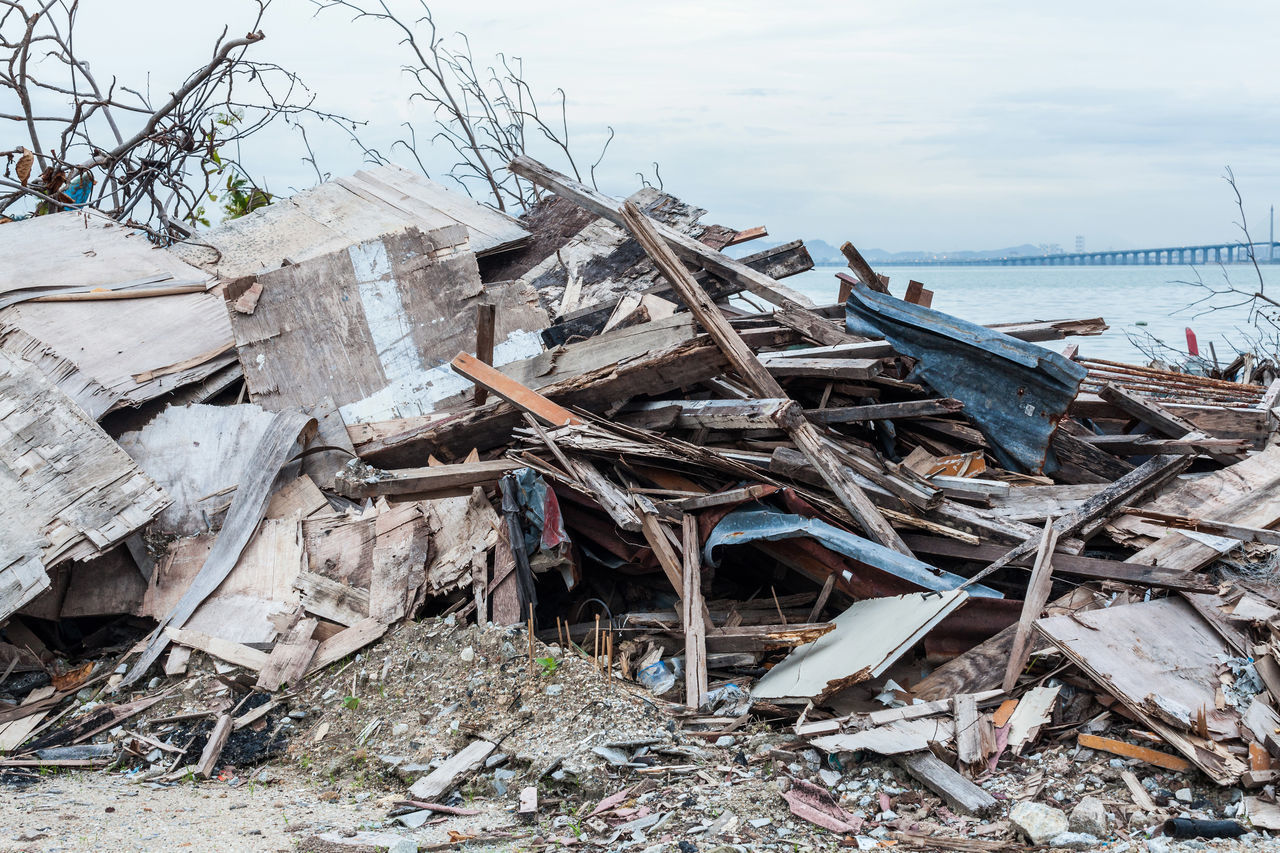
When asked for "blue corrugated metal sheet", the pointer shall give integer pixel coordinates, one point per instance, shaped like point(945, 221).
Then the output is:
point(1015, 392)
point(754, 522)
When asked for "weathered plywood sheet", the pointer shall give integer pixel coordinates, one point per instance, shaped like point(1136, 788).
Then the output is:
point(198, 454)
point(83, 250)
point(69, 491)
point(374, 326)
point(867, 639)
point(115, 353)
point(1157, 648)
point(1218, 496)
point(259, 587)
point(336, 214)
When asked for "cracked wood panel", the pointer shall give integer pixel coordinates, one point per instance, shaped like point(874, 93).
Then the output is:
point(70, 491)
point(373, 326)
point(336, 214)
point(122, 352)
point(1161, 648)
point(198, 455)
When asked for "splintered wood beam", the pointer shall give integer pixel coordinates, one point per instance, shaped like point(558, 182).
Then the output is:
point(862, 269)
point(1161, 419)
point(837, 476)
point(1037, 597)
point(415, 481)
point(958, 792)
point(884, 411)
point(1203, 525)
point(1145, 477)
point(213, 747)
point(695, 629)
point(512, 391)
point(754, 233)
point(1128, 750)
point(486, 318)
point(686, 247)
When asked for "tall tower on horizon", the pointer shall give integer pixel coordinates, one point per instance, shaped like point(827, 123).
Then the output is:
point(1079, 243)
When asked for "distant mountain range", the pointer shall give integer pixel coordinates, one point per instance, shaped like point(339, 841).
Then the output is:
point(825, 254)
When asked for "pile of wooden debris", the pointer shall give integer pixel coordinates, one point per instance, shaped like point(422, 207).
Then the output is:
point(895, 531)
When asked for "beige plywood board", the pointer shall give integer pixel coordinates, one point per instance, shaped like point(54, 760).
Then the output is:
point(69, 491)
point(336, 214)
point(374, 326)
point(867, 639)
point(1158, 648)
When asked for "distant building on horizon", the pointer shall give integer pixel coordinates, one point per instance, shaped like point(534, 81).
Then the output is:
point(1079, 243)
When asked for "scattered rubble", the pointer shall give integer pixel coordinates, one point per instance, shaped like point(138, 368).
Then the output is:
point(528, 531)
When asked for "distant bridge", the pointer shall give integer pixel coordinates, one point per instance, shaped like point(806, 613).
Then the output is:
point(1210, 253)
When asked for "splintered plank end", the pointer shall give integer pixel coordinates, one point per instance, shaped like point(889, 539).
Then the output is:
point(512, 391)
point(1129, 750)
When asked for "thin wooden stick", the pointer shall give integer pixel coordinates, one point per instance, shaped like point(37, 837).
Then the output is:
point(595, 657)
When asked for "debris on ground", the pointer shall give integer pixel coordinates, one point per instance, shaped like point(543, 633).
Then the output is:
point(535, 532)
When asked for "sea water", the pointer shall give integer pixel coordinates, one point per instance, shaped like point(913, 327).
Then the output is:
point(1138, 303)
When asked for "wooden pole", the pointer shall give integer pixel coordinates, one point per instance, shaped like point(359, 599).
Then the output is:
point(695, 628)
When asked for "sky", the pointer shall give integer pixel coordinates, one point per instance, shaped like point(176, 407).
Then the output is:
point(899, 126)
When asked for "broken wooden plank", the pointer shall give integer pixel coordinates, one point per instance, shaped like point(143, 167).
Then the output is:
point(958, 792)
point(486, 314)
point(331, 599)
point(290, 657)
point(1033, 711)
point(969, 733)
point(513, 392)
point(1239, 532)
point(1068, 564)
point(823, 368)
point(884, 411)
point(719, 414)
point(1037, 597)
point(691, 602)
point(1129, 750)
point(235, 653)
point(452, 771)
point(366, 483)
point(207, 764)
point(346, 642)
point(1162, 420)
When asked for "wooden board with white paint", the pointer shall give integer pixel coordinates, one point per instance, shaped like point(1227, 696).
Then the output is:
point(867, 639)
point(374, 325)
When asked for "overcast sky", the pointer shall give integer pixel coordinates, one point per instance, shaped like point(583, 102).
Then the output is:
point(898, 125)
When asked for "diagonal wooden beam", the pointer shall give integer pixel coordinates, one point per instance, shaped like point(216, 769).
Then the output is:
point(761, 381)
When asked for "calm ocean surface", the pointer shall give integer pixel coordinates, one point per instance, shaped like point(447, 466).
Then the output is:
point(1123, 296)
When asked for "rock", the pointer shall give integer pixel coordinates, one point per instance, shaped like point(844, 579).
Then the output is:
point(468, 655)
point(1075, 841)
point(1183, 795)
point(1089, 817)
point(404, 845)
point(1038, 822)
point(399, 729)
point(830, 778)
point(1138, 819)
point(555, 689)
point(725, 740)
point(1159, 844)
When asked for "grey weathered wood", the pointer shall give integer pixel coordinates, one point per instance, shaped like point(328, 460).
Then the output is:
point(749, 367)
point(456, 768)
point(213, 747)
point(371, 325)
point(346, 642)
point(333, 600)
point(691, 601)
point(883, 411)
point(1036, 598)
point(421, 481)
point(69, 491)
point(290, 657)
point(1147, 476)
point(1161, 419)
point(719, 414)
point(969, 748)
point(247, 508)
point(823, 368)
point(958, 792)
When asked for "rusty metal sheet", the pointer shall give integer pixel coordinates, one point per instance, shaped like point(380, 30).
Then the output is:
point(1014, 392)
